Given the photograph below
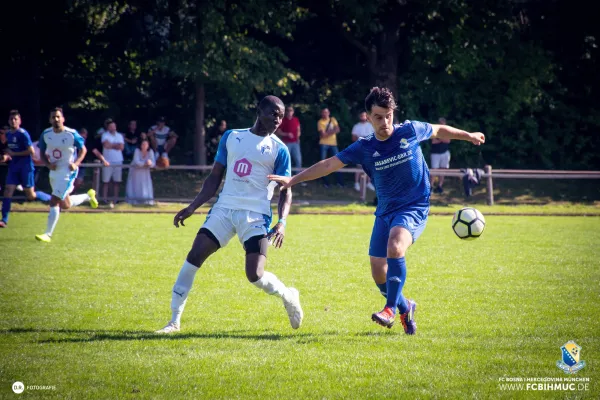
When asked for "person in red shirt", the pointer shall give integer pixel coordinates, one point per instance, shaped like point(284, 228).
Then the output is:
point(289, 132)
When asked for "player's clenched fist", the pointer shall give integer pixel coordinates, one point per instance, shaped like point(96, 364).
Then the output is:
point(477, 138)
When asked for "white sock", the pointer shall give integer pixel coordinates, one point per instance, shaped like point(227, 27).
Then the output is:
point(52, 219)
point(182, 287)
point(271, 285)
point(78, 199)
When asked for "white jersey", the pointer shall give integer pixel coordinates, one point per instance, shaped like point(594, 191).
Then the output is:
point(60, 146)
point(362, 129)
point(249, 158)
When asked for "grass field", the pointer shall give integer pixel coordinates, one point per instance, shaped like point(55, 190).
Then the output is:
point(78, 314)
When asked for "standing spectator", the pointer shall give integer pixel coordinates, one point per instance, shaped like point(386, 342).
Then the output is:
point(440, 157)
point(361, 129)
point(289, 132)
point(328, 129)
point(113, 144)
point(132, 139)
point(139, 182)
point(162, 137)
point(212, 140)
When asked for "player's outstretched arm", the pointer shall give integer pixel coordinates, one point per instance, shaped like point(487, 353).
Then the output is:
point(449, 132)
point(283, 208)
point(316, 171)
point(209, 189)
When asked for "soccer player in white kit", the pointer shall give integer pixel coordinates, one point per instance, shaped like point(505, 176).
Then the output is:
point(58, 145)
point(243, 207)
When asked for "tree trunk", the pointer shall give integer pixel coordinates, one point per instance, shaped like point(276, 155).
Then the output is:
point(200, 134)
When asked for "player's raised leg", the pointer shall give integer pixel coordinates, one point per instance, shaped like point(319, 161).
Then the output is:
point(204, 245)
point(256, 259)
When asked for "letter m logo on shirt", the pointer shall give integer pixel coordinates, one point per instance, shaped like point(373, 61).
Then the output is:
point(242, 168)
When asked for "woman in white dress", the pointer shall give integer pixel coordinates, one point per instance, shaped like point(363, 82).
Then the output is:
point(139, 181)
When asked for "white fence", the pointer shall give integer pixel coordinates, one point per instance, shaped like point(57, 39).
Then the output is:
point(489, 176)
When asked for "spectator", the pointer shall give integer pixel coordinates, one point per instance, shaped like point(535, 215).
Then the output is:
point(440, 157)
point(104, 127)
point(132, 139)
point(328, 129)
point(113, 144)
point(139, 182)
point(212, 140)
point(289, 132)
point(162, 137)
point(361, 129)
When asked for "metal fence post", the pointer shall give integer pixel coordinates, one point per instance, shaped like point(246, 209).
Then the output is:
point(490, 185)
point(363, 187)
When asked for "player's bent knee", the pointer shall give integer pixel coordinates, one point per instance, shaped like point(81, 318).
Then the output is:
point(257, 244)
point(205, 244)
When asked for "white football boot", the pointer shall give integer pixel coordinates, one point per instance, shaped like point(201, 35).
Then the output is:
point(291, 301)
point(171, 327)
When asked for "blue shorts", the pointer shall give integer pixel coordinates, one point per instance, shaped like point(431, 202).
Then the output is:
point(413, 218)
point(20, 176)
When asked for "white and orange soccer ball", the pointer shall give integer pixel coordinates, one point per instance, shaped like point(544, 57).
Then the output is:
point(468, 223)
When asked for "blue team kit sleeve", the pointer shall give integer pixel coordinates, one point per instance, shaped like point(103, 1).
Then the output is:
point(78, 140)
point(283, 164)
point(423, 130)
point(221, 156)
point(351, 154)
point(25, 139)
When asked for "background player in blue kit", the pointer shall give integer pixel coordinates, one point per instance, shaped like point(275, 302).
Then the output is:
point(245, 157)
point(392, 158)
point(20, 168)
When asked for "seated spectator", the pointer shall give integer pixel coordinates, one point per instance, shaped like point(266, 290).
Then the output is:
point(162, 138)
point(139, 182)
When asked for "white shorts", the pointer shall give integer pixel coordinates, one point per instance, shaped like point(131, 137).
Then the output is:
point(62, 181)
point(114, 172)
point(441, 160)
point(224, 223)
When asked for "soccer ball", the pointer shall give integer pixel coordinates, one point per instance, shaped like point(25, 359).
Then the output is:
point(468, 223)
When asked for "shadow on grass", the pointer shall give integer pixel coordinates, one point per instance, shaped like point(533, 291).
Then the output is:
point(108, 335)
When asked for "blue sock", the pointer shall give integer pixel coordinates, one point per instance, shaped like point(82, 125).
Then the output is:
point(6, 209)
point(382, 289)
point(396, 276)
point(42, 196)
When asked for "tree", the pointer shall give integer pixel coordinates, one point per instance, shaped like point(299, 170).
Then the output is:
point(217, 44)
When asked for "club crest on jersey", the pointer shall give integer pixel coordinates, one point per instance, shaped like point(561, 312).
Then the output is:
point(57, 154)
point(403, 143)
point(265, 149)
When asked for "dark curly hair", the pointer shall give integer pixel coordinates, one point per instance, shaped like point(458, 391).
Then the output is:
point(381, 97)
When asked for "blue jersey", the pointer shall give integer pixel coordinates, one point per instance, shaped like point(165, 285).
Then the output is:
point(396, 165)
point(18, 141)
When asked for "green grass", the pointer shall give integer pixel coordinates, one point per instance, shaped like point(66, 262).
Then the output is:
point(79, 313)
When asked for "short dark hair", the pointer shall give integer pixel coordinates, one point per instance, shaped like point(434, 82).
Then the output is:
point(270, 100)
point(108, 121)
point(12, 113)
point(381, 97)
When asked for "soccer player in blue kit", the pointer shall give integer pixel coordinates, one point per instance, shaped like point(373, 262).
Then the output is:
point(392, 158)
point(20, 168)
